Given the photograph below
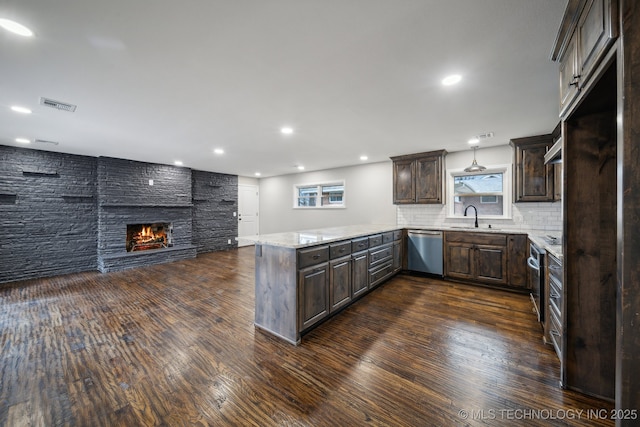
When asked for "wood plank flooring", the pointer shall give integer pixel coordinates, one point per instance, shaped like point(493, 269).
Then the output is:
point(175, 344)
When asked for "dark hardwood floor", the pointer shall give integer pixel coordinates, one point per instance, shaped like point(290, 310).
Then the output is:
point(175, 344)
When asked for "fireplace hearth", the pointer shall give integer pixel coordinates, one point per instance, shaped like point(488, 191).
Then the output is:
point(143, 237)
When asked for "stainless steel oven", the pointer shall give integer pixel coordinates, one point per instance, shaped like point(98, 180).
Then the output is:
point(536, 276)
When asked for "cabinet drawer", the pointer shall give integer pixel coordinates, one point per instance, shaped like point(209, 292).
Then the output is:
point(387, 237)
point(379, 255)
point(312, 256)
point(375, 240)
point(476, 238)
point(555, 332)
point(380, 273)
point(360, 244)
point(336, 250)
point(397, 235)
point(555, 297)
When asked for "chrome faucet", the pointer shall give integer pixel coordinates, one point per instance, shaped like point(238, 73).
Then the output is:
point(475, 209)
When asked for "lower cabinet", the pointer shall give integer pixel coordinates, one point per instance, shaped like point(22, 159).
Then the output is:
point(359, 273)
point(486, 258)
point(340, 282)
point(330, 277)
point(314, 294)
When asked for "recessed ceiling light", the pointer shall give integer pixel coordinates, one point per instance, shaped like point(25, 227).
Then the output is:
point(452, 79)
point(286, 130)
point(363, 158)
point(257, 174)
point(178, 163)
point(23, 140)
point(300, 168)
point(474, 141)
point(15, 28)
point(23, 110)
point(218, 151)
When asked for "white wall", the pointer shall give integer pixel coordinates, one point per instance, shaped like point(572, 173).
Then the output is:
point(245, 180)
point(368, 196)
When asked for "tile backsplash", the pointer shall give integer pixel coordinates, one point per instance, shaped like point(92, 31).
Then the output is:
point(541, 216)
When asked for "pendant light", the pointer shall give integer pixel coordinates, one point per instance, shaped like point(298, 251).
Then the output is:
point(475, 167)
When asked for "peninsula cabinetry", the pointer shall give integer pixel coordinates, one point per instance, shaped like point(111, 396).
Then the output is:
point(298, 288)
point(533, 180)
point(485, 258)
point(418, 178)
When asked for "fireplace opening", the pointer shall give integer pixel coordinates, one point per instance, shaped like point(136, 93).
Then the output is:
point(142, 237)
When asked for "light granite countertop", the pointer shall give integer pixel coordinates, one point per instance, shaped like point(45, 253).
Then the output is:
point(312, 237)
point(301, 239)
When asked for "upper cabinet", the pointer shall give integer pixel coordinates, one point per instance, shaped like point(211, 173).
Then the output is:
point(418, 178)
point(533, 179)
point(589, 28)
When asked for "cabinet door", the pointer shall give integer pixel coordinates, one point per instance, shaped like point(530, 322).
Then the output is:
point(429, 180)
point(404, 189)
point(314, 294)
point(359, 273)
point(517, 262)
point(534, 179)
point(459, 260)
point(491, 264)
point(340, 282)
point(569, 75)
point(397, 255)
point(594, 34)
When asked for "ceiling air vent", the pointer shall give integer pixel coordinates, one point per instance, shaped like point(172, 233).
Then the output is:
point(44, 141)
point(57, 104)
point(485, 135)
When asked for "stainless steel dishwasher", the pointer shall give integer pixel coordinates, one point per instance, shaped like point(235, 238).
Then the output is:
point(425, 251)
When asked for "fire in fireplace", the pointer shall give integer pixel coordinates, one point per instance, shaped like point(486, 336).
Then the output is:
point(141, 237)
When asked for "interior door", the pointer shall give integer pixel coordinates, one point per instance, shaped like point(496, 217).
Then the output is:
point(247, 212)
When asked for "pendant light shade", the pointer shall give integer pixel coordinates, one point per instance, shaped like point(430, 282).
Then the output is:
point(475, 167)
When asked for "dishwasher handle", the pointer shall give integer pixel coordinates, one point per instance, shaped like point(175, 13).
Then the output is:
point(424, 233)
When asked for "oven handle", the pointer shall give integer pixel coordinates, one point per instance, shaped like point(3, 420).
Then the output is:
point(533, 263)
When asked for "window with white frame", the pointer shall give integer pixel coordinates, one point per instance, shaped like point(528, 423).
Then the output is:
point(324, 195)
point(488, 191)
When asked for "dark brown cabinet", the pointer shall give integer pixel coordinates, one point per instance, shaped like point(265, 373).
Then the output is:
point(569, 75)
point(314, 294)
point(418, 178)
point(517, 261)
point(585, 46)
point(359, 273)
point(533, 180)
point(340, 282)
point(331, 276)
point(487, 258)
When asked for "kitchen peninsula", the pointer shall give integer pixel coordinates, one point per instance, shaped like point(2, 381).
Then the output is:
point(304, 277)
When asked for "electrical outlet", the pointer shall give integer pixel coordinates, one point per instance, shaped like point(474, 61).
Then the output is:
point(150, 182)
point(229, 241)
point(234, 214)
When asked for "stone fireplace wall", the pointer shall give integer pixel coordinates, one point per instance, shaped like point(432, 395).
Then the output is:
point(48, 213)
point(62, 213)
point(215, 199)
point(126, 196)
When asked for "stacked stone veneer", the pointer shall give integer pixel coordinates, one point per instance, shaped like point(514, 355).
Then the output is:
point(125, 196)
point(48, 213)
point(215, 198)
point(63, 213)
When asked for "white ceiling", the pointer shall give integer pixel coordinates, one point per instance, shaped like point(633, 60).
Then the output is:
point(164, 80)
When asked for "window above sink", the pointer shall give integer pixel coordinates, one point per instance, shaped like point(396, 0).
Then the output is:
point(489, 191)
